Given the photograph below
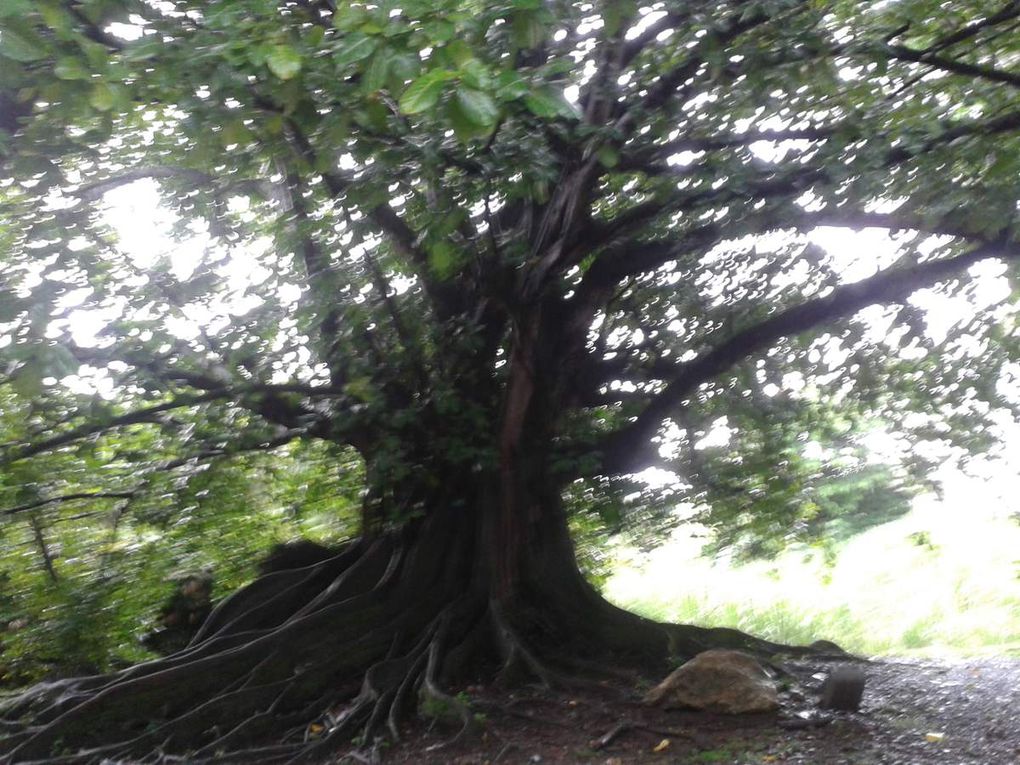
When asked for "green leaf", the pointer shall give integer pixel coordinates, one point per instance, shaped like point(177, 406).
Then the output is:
point(440, 31)
point(478, 106)
point(378, 70)
point(96, 54)
point(510, 86)
point(465, 128)
point(527, 30)
point(608, 156)
point(102, 97)
point(459, 52)
point(13, 8)
point(348, 16)
point(284, 61)
point(236, 132)
point(443, 259)
point(144, 49)
point(448, 223)
point(405, 67)
point(424, 92)
point(361, 388)
point(373, 115)
point(476, 74)
point(356, 47)
point(70, 68)
point(28, 380)
point(23, 47)
point(548, 103)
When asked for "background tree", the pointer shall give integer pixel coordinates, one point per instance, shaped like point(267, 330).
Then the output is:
point(497, 249)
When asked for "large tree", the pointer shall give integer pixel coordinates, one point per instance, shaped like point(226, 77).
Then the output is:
point(499, 249)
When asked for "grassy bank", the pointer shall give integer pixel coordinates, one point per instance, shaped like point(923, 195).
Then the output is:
point(942, 580)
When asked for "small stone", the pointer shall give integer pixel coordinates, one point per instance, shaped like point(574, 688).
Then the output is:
point(843, 689)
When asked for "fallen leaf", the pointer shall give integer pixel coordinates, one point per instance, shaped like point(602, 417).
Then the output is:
point(934, 738)
point(662, 746)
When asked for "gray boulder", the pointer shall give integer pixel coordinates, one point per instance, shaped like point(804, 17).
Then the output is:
point(843, 689)
point(725, 682)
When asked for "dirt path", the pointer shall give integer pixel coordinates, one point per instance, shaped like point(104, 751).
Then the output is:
point(914, 713)
point(927, 712)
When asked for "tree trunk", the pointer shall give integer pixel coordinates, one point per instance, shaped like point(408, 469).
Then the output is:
point(483, 586)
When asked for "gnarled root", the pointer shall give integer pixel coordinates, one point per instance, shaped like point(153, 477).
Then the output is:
point(301, 662)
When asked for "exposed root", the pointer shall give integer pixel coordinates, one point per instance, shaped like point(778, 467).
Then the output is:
point(431, 696)
point(625, 726)
point(518, 660)
point(343, 650)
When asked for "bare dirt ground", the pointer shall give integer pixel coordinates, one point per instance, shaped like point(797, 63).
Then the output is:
point(913, 713)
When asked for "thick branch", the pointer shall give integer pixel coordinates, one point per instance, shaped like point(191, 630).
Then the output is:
point(671, 20)
point(446, 299)
point(646, 159)
point(63, 498)
point(146, 415)
point(953, 66)
point(626, 450)
point(1010, 10)
point(642, 213)
point(266, 400)
point(92, 30)
point(669, 84)
point(631, 258)
point(93, 191)
point(159, 468)
point(770, 186)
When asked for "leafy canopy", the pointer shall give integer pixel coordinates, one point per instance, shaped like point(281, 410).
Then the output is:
point(376, 202)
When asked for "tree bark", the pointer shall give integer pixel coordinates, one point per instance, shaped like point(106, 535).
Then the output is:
point(483, 585)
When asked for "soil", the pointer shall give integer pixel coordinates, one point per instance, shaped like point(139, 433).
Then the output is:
point(913, 713)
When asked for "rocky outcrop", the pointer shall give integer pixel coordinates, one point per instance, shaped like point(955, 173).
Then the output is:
point(726, 682)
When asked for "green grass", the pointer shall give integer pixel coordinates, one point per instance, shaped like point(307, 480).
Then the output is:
point(942, 580)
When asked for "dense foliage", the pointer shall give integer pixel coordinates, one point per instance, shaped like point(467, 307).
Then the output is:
point(509, 254)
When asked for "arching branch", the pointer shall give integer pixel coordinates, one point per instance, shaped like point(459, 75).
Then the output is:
point(146, 415)
point(649, 160)
point(671, 83)
point(93, 191)
point(81, 496)
point(953, 66)
point(627, 450)
point(266, 400)
point(1009, 11)
point(205, 455)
